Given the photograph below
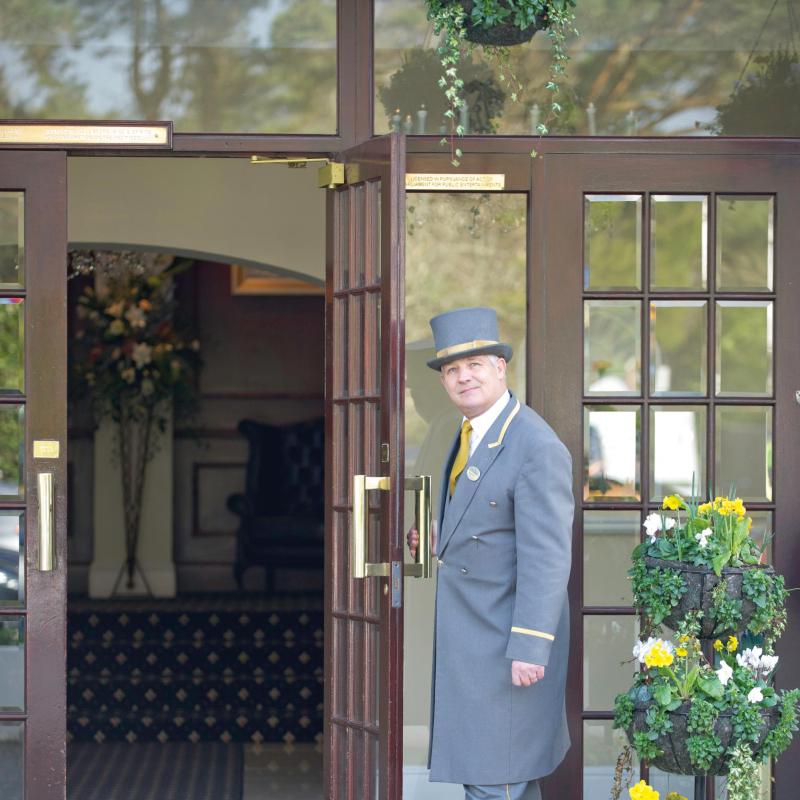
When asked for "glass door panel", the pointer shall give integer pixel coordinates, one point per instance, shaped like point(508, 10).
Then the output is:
point(32, 411)
point(364, 276)
point(708, 407)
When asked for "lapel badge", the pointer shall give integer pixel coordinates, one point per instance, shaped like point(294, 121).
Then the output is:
point(473, 473)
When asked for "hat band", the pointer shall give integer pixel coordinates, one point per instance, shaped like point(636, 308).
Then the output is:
point(462, 348)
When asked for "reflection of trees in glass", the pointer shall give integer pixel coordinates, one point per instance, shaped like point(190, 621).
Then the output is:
point(462, 249)
point(613, 242)
point(249, 65)
point(744, 239)
point(647, 66)
point(12, 442)
point(11, 354)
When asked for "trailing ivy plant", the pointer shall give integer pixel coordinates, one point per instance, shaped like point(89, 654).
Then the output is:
point(656, 591)
point(451, 20)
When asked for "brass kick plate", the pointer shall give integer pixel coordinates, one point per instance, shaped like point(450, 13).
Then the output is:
point(45, 448)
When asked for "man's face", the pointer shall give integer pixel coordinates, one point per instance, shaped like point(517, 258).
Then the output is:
point(474, 383)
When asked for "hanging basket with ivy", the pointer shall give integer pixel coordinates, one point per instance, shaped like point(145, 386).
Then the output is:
point(503, 23)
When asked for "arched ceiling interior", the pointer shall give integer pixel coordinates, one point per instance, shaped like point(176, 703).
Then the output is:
point(224, 209)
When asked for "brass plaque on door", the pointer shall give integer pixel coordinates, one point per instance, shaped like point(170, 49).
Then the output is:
point(45, 448)
point(158, 135)
point(455, 181)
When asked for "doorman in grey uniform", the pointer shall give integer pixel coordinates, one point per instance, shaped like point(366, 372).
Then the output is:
point(501, 641)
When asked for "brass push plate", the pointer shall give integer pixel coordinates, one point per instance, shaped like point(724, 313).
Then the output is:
point(45, 448)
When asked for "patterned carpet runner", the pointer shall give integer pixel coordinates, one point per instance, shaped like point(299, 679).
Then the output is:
point(225, 668)
point(173, 771)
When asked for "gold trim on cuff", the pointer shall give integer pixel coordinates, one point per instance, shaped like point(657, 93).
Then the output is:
point(531, 632)
point(460, 348)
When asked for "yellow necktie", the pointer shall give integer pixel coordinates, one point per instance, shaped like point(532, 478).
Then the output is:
point(462, 456)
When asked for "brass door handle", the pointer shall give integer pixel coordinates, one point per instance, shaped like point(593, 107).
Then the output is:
point(423, 517)
point(361, 568)
point(47, 553)
point(358, 531)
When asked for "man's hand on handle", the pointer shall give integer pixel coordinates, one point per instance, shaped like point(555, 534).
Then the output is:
point(524, 674)
point(412, 537)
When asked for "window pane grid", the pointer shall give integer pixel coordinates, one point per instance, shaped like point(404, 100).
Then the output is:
point(746, 409)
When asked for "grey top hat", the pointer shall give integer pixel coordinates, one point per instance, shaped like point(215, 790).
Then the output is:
point(466, 332)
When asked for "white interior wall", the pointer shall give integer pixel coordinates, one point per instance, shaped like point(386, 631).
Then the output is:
point(224, 208)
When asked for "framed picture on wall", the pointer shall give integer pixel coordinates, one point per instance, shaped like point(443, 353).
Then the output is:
point(251, 280)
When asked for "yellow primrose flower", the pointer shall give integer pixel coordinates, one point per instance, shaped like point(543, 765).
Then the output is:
point(704, 508)
point(723, 511)
point(658, 655)
point(684, 638)
point(643, 791)
point(681, 652)
point(733, 643)
point(672, 502)
point(676, 796)
point(718, 646)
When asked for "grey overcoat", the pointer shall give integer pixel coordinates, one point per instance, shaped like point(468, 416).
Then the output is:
point(504, 559)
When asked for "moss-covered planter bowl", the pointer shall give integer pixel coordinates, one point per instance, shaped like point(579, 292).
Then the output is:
point(675, 757)
point(700, 583)
point(505, 34)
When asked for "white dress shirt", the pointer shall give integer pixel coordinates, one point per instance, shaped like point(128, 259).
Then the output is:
point(482, 423)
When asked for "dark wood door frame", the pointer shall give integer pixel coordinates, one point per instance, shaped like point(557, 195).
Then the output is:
point(43, 178)
point(562, 180)
point(364, 388)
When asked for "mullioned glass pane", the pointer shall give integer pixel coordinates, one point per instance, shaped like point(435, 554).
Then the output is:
point(678, 347)
point(612, 347)
point(611, 453)
point(679, 242)
point(612, 242)
point(744, 348)
point(12, 240)
point(745, 240)
point(677, 450)
point(743, 451)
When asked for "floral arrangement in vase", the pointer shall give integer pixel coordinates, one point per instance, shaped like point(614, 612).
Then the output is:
point(133, 363)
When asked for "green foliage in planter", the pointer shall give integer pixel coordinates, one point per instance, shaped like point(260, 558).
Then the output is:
point(656, 591)
point(746, 721)
point(726, 610)
point(623, 711)
point(704, 745)
point(780, 737)
point(768, 594)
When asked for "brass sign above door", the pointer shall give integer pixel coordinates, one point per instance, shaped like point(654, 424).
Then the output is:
point(455, 181)
point(73, 135)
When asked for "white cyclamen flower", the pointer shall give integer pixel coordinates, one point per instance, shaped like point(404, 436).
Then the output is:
point(702, 537)
point(751, 657)
point(724, 673)
point(755, 695)
point(768, 664)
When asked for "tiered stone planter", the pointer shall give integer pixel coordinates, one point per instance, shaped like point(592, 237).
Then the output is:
point(700, 584)
point(675, 757)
